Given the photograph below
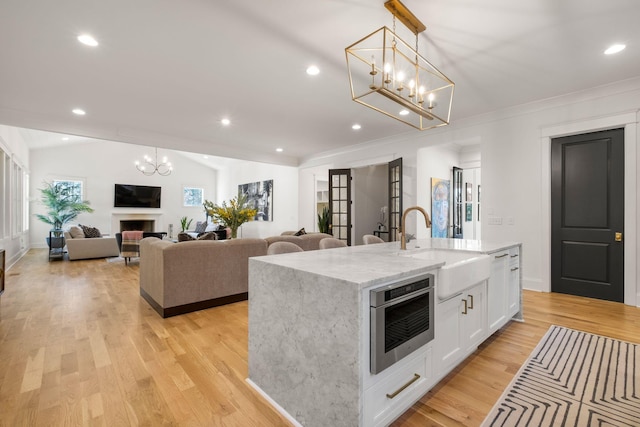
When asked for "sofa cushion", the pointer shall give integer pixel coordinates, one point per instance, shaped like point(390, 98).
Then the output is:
point(90, 232)
point(211, 227)
point(76, 232)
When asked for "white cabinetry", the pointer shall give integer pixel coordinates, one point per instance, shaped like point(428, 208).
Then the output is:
point(503, 290)
point(497, 292)
point(514, 281)
point(460, 326)
point(393, 393)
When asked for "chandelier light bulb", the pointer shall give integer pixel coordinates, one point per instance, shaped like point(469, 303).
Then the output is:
point(387, 70)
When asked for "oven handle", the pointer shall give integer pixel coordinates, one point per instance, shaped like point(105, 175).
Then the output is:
point(405, 297)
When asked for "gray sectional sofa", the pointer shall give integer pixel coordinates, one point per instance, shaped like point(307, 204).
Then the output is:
point(177, 278)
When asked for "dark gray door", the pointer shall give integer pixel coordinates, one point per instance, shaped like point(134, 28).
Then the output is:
point(395, 198)
point(587, 215)
point(340, 204)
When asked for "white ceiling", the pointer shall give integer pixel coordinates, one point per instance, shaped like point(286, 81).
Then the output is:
point(167, 71)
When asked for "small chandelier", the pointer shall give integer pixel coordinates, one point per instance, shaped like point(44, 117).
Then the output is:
point(413, 90)
point(150, 166)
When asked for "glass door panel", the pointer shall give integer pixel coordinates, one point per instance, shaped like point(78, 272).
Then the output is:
point(340, 204)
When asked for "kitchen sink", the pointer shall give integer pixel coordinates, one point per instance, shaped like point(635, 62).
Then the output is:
point(460, 271)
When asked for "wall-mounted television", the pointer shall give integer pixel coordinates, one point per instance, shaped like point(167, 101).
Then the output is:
point(136, 196)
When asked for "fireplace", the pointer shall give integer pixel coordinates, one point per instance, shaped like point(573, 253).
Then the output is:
point(137, 221)
point(137, 224)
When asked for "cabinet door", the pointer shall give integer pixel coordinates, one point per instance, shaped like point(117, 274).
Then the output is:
point(497, 292)
point(474, 320)
point(449, 345)
point(514, 282)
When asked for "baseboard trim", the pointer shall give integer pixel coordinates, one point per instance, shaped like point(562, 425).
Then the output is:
point(194, 306)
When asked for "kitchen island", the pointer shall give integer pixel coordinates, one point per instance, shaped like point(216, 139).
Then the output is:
point(309, 324)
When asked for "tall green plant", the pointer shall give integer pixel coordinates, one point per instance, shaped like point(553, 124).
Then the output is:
point(323, 220)
point(62, 205)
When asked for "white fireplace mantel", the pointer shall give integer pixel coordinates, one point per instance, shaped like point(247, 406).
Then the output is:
point(136, 216)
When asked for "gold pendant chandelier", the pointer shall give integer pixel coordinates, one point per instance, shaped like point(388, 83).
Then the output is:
point(388, 75)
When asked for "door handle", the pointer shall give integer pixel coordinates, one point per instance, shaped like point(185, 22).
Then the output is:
point(618, 237)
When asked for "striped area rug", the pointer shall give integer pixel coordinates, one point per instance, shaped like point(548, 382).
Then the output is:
point(573, 378)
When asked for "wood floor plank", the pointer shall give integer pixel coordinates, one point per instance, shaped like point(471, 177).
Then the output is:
point(79, 346)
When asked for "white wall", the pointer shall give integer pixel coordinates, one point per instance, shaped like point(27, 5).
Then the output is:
point(285, 195)
point(372, 154)
point(434, 162)
point(101, 165)
point(12, 144)
point(514, 171)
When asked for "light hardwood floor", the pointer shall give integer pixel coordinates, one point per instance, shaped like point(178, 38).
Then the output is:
point(78, 346)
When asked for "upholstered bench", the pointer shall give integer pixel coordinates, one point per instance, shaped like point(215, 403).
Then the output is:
point(130, 244)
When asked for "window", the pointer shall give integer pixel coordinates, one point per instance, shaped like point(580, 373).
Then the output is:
point(193, 196)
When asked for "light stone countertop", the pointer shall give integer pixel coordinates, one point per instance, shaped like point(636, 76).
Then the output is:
point(369, 265)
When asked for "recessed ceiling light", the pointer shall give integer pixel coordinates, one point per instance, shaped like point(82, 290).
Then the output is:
point(313, 70)
point(356, 127)
point(225, 122)
point(206, 157)
point(78, 111)
point(404, 112)
point(279, 150)
point(66, 138)
point(614, 49)
point(88, 40)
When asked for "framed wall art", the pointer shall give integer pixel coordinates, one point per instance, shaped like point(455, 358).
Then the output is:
point(440, 194)
point(259, 197)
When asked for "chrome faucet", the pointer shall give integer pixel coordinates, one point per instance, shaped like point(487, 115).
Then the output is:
point(403, 236)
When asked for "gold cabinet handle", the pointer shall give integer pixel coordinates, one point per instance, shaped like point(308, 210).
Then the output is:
point(470, 302)
point(500, 256)
point(465, 306)
point(514, 256)
point(415, 378)
point(618, 237)
point(515, 268)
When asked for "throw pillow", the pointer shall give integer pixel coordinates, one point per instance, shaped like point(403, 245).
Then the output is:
point(90, 232)
point(208, 236)
point(211, 227)
point(76, 232)
point(200, 227)
point(300, 232)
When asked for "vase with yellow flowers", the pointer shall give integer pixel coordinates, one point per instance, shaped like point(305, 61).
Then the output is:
point(232, 215)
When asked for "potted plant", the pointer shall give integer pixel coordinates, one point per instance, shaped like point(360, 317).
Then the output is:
point(232, 215)
point(185, 223)
point(62, 206)
point(323, 220)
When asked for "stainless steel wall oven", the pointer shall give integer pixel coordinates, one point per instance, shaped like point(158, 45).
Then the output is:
point(401, 319)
